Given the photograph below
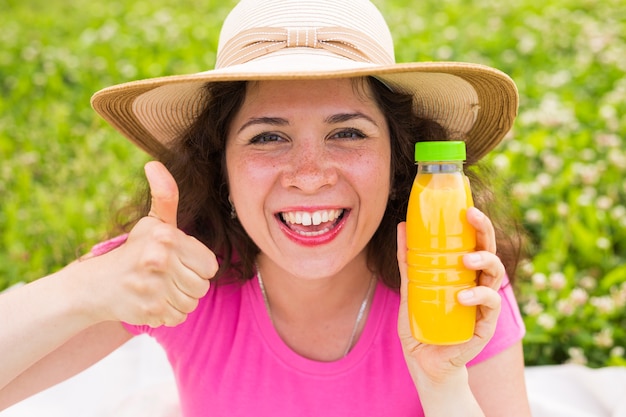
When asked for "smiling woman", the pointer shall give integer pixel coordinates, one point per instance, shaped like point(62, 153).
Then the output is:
point(331, 151)
point(269, 259)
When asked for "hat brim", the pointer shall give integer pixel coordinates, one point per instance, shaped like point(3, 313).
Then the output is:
point(472, 101)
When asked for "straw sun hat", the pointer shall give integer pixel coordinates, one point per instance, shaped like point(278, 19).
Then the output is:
point(315, 39)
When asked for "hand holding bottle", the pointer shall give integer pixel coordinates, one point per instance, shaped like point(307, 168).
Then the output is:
point(428, 362)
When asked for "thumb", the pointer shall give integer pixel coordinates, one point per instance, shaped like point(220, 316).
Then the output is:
point(164, 191)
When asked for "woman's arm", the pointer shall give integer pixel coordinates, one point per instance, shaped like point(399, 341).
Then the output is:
point(445, 385)
point(499, 385)
point(74, 356)
point(155, 278)
point(496, 388)
point(40, 317)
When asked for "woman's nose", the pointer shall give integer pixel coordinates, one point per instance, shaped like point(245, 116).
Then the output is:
point(309, 169)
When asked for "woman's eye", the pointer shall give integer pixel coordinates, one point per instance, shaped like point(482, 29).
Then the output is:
point(349, 134)
point(265, 138)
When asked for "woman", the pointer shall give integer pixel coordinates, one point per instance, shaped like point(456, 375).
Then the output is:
point(265, 261)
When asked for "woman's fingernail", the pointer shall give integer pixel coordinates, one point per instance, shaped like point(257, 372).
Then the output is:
point(473, 258)
point(478, 214)
point(466, 295)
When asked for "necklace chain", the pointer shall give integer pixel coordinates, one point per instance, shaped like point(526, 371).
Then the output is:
point(359, 316)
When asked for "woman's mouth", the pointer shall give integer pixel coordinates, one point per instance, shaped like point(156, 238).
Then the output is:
point(310, 224)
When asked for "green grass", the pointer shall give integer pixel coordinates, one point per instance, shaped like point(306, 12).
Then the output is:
point(64, 172)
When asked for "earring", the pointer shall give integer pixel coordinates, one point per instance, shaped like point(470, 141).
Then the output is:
point(233, 212)
point(393, 194)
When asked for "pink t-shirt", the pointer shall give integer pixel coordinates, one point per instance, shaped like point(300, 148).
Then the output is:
point(229, 361)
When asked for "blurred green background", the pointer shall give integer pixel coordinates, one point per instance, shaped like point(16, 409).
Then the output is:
point(64, 173)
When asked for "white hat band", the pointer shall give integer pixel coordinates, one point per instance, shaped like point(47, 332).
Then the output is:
point(254, 43)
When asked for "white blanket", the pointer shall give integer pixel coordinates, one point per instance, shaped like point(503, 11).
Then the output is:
point(576, 391)
point(136, 381)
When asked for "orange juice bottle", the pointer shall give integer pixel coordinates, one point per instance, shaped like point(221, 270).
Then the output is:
point(438, 235)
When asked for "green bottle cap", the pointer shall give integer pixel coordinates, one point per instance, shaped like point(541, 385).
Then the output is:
point(440, 151)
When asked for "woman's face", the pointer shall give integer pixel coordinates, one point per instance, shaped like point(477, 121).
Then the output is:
point(308, 165)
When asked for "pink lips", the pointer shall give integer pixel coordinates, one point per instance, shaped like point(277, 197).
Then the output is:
point(310, 234)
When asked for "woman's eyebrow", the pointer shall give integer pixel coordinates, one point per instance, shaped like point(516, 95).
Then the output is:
point(345, 117)
point(279, 121)
point(276, 121)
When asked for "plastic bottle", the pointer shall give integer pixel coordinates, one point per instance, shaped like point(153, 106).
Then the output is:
point(438, 235)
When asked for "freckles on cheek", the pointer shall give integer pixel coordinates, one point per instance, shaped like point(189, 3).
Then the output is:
point(249, 178)
point(376, 174)
point(236, 177)
point(239, 177)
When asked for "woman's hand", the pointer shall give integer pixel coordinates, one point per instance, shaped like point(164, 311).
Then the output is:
point(64, 322)
point(433, 364)
point(158, 275)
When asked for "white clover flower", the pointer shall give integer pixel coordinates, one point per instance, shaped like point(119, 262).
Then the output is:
point(584, 200)
point(127, 69)
point(532, 188)
point(514, 147)
point(552, 162)
point(617, 158)
point(526, 44)
point(30, 53)
point(554, 80)
point(618, 212)
point(578, 296)
point(604, 338)
point(543, 180)
point(603, 243)
point(609, 140)
point(557, 280)
point(532, 307)
point(501, 162)
point(553, 112)
point(604, 304)
point(590, 175)
point(526, 267)
point(520, 192)
point(565, 307)
point(534, 216)
point(618, 295)
point(588, 282)
point(539, 280)
point(608, 111)
point(617, 351)
point(444, 52)
point(562, 209)
point(450, 33)
point(547, 321)
point(604, 202)
point(576, 356)
point(587, 154)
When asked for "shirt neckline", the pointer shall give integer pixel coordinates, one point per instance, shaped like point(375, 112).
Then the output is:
point(289, 358)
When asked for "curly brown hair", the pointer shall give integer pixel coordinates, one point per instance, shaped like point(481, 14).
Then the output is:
point(197, 162)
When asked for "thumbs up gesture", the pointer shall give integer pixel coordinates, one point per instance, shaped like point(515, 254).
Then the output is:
point(162, 271)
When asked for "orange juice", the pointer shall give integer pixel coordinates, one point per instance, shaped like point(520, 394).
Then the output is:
point(438, 235)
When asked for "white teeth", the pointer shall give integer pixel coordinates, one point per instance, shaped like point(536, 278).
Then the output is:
point(315, 218)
